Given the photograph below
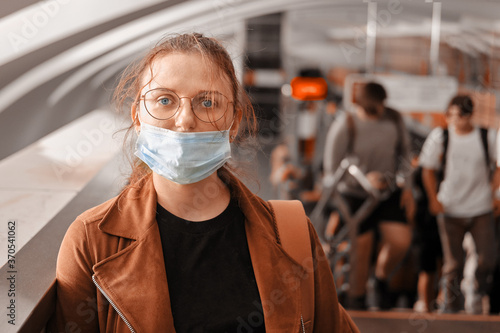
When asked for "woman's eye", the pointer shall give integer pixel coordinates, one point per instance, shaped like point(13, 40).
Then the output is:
point(164, 101)
point(207, 103)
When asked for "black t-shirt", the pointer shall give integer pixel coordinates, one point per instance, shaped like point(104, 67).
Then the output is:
point(210, 275)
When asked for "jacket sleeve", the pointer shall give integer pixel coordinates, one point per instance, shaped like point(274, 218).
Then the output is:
point(76, 303)
point(329, 315)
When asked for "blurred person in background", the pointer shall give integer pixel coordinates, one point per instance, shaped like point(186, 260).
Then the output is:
point(428, 245)
point(495, 290)
point(461, 197)
point(307, 128)
point(377, 137)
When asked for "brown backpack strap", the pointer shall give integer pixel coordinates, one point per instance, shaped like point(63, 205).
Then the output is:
point(293, 231)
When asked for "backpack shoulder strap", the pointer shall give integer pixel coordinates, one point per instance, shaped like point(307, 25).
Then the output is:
point(293, 232)
point(351, 132)
point(446, 137)
point(484, 140)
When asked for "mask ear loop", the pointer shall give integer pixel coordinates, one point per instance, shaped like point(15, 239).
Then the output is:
point(231, 137)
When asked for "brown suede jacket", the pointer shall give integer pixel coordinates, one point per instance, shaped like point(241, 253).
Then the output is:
point(111, 274)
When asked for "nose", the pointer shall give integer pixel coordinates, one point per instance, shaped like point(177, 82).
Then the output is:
point(185, 120)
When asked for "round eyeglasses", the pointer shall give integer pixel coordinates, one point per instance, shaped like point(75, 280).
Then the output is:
point(163, 104)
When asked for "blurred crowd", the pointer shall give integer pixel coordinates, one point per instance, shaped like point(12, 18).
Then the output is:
point(429, 239)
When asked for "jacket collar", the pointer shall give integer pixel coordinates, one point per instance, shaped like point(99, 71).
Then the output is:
point(133, 212)
point(132, 275)
point(137, 206)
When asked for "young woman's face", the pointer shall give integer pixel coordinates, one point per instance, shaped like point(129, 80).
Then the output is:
point(201, 93)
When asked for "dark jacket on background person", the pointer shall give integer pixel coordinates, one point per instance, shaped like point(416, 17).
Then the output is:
point(115, 249)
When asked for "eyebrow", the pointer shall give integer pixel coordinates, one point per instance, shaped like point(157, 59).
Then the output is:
point(175, 91)
point(209, 91)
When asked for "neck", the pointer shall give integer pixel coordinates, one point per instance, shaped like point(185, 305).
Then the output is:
point(199, 201)
point(362, 114)
point(464, 130)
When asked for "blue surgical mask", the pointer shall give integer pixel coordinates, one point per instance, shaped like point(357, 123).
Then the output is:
point(181, 157)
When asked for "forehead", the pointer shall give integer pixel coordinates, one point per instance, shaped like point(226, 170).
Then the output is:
point(454, 110)
point(186, 74)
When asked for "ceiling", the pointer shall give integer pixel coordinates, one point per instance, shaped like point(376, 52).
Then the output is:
point(472, 26)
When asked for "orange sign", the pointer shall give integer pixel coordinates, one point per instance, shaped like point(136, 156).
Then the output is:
point(309, 88)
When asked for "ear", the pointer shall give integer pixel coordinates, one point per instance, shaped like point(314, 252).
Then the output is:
point(134, 115)
point(233, 132)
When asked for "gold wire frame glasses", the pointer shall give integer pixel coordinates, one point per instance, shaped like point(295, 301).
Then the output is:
point(207, 106)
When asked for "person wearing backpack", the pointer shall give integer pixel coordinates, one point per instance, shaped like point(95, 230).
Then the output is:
point(457, 179)
point(377, 137)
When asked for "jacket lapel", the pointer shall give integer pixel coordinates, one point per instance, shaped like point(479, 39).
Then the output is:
point(135, 281)
point(134, 278)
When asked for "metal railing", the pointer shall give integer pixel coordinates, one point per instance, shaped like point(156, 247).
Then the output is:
point(348, 166)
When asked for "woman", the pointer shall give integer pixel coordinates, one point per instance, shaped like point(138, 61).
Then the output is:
point(186, 247)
